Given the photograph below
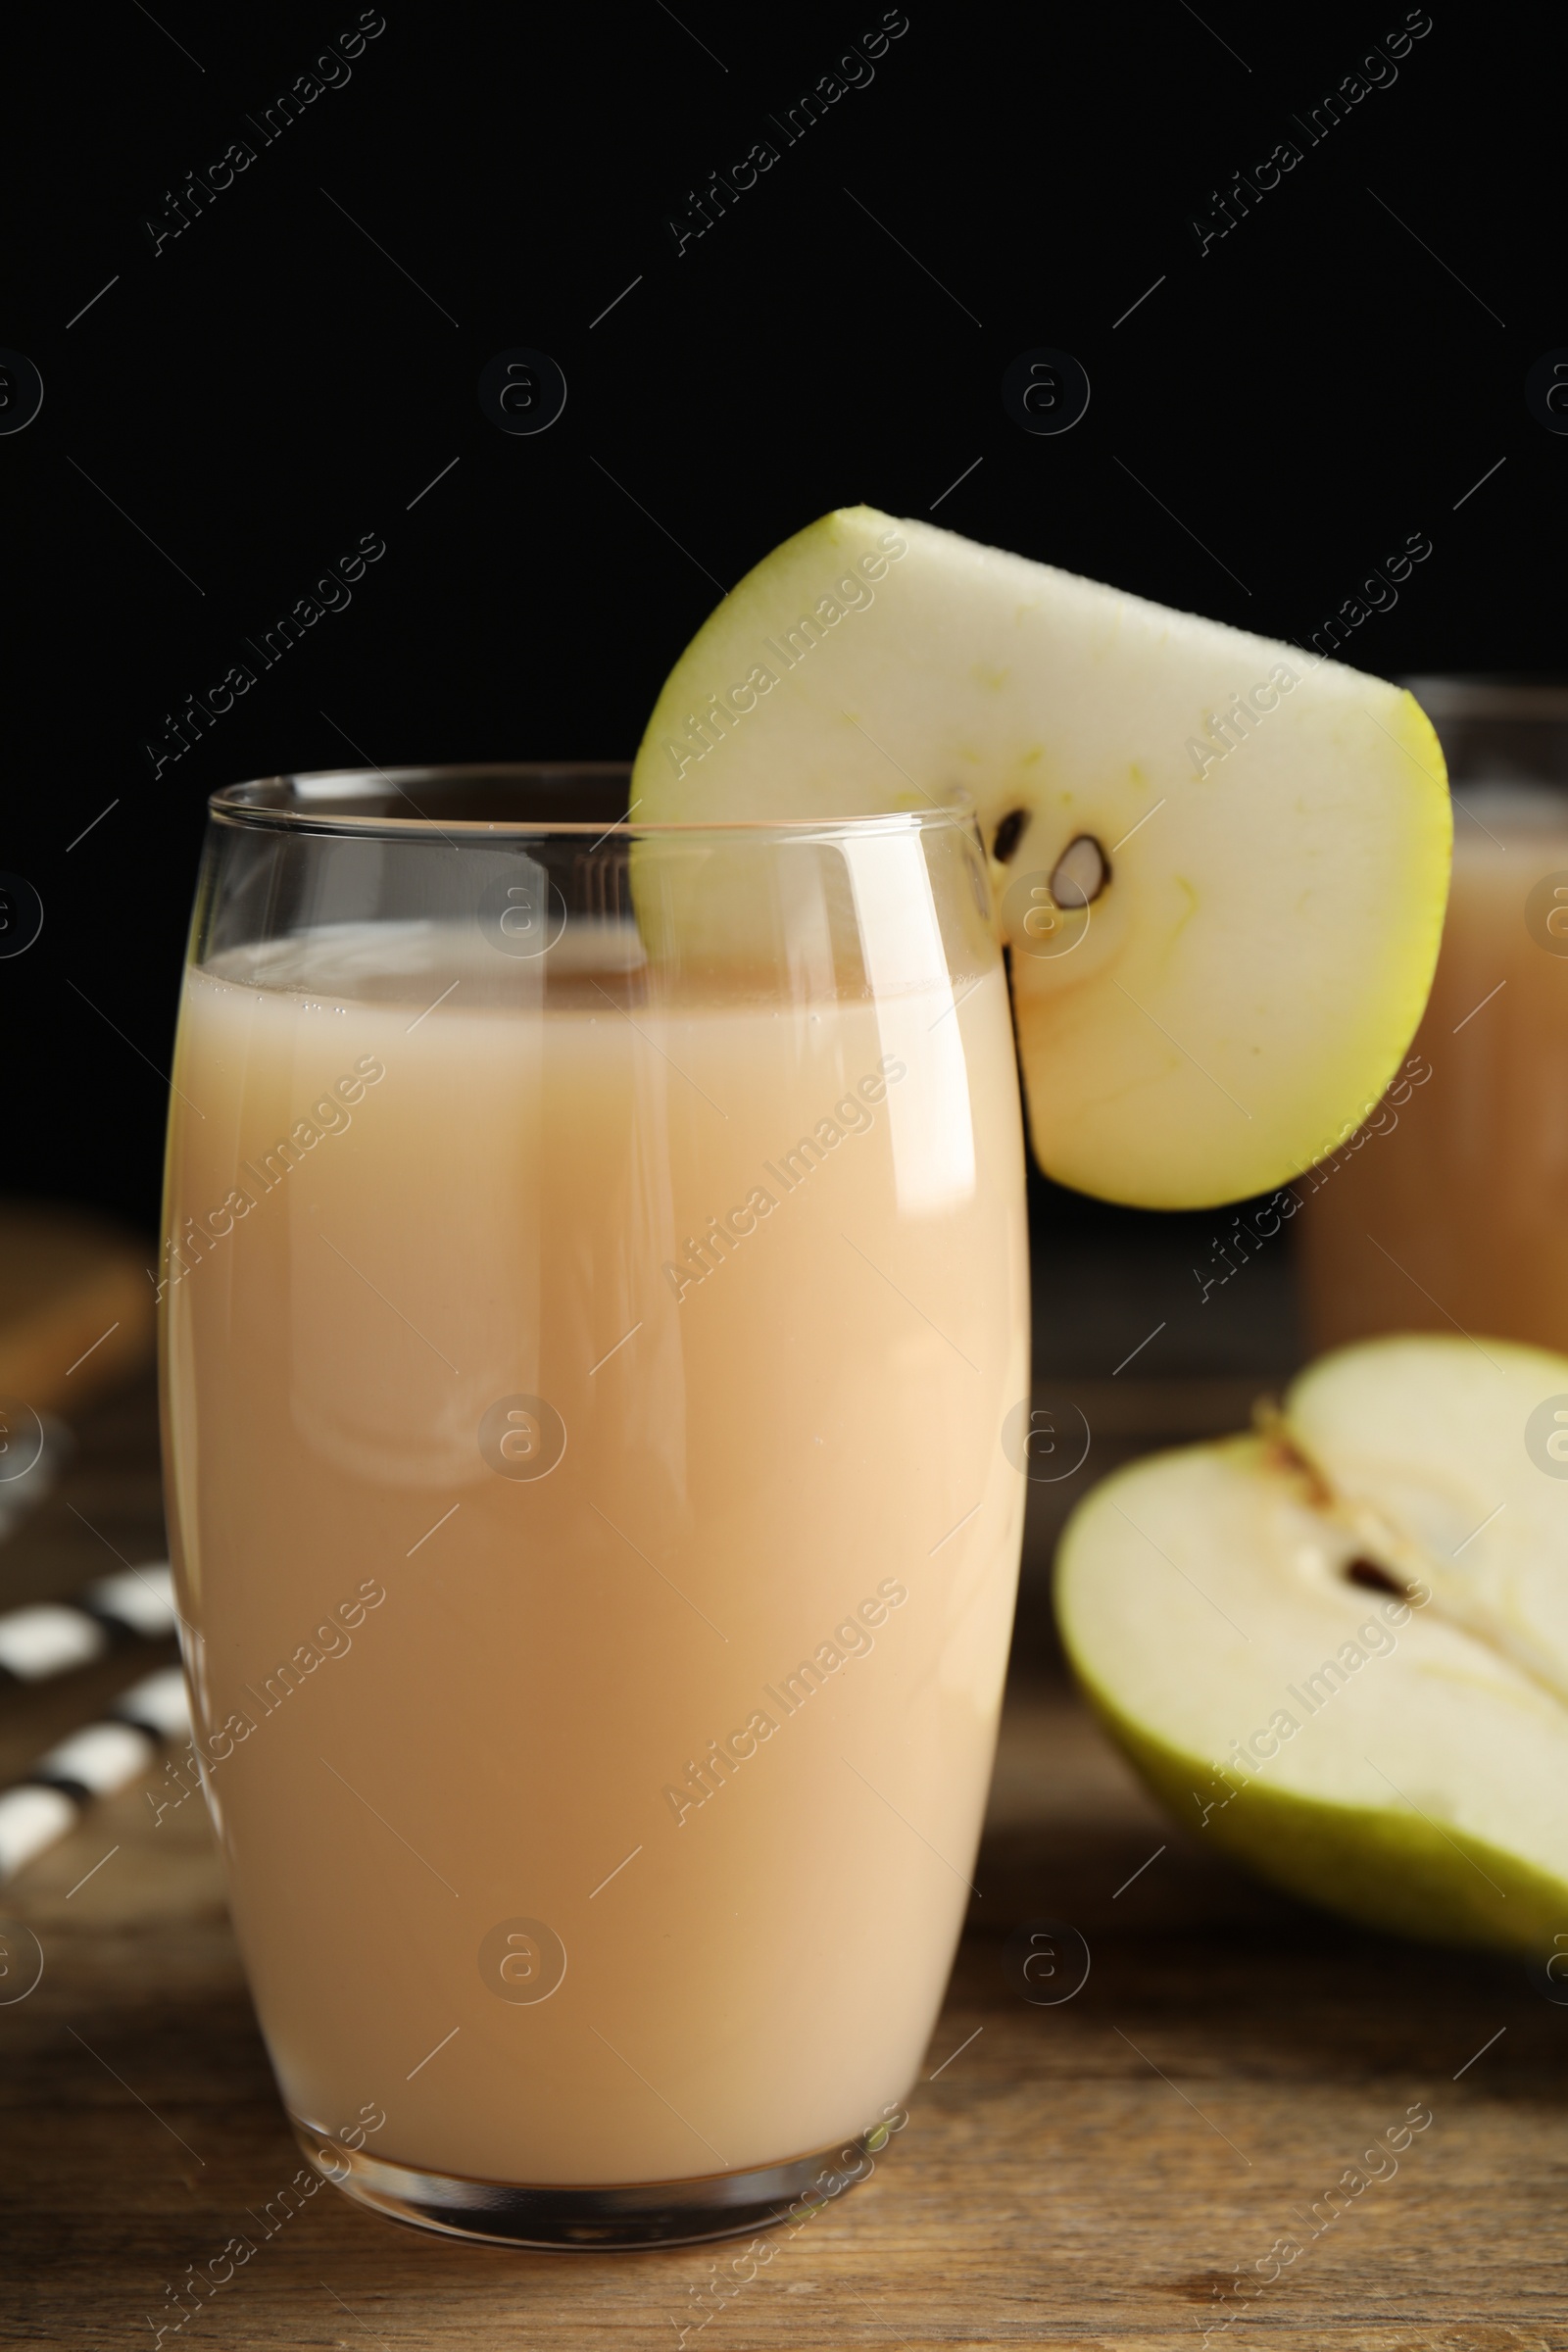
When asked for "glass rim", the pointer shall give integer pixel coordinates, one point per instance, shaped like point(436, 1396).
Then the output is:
point(274, 804)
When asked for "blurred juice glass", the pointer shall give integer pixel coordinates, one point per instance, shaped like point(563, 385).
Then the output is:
point(1449, 1207)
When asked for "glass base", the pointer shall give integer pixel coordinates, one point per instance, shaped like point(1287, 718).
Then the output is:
point(617, 2216)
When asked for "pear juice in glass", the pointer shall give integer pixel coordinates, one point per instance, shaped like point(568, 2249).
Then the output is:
point(594, 1289)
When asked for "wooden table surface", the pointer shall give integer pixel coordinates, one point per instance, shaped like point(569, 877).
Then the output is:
point(1095, 2172)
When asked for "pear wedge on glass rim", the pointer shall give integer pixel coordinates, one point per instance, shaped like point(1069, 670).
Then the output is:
point(1221, 863)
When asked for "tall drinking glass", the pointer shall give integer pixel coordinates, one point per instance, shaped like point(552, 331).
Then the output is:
point(594, 1317)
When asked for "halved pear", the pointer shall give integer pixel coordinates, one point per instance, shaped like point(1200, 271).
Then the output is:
point(1339, 1647)
point(1222, 862)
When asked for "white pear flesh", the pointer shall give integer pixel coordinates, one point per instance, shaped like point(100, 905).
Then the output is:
point(1482, 1520)
point(1402, 1760)
point(1271, 831)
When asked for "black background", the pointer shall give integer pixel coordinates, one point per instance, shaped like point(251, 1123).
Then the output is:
point(271, 385)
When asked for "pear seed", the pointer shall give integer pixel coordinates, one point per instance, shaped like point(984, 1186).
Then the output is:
point(1366, 1572)
point(1007, 833)
point(1081, 873)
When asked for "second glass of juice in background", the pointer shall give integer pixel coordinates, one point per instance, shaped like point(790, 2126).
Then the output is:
point(1452, 1207)
point(595, 1298)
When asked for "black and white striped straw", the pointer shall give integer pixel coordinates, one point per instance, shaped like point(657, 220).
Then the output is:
point(51, 1636)
point(96, 1761)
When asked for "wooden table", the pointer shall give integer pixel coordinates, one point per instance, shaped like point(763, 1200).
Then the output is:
point(1087, 2173)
